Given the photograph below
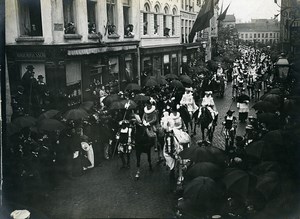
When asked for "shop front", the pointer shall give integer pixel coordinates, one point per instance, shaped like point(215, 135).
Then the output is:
point(159, 61)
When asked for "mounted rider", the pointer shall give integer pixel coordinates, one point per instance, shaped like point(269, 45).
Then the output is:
point(208, 102)
point(188, 101)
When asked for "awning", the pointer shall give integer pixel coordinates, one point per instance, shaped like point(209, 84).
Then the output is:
point(89, 51)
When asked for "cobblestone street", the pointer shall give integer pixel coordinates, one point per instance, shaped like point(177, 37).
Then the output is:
point(108, 192)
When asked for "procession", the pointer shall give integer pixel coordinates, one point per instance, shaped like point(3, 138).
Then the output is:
point(166, 109)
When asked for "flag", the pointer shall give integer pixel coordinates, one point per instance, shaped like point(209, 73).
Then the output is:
point(223, 15)
point(203, 18)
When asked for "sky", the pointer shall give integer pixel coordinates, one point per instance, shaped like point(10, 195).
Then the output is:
point(244, 10)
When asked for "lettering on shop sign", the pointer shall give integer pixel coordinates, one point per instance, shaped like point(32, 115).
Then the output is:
point(31, 55)
point(58, 27)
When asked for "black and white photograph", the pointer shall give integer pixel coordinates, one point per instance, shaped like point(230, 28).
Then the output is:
point(183, 109)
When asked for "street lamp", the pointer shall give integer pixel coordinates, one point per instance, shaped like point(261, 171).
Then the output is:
point(204, 45)
point(283, 67)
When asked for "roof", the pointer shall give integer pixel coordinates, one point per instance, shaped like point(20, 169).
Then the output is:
point(229, 18)
point(258, 27)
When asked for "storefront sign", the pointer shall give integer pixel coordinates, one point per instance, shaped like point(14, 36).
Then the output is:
point(88, 51)
point(31, 55)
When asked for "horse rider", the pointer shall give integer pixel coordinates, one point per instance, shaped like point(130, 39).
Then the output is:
point(209, 101)
point(149, 119)
point(250, 83)
point(188, 101)
point(230, 126)
point(124, 146)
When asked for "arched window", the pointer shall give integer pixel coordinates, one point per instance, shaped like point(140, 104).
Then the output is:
point(145, 18)
point(156, 19)
point(166, 29)
point(174, 12)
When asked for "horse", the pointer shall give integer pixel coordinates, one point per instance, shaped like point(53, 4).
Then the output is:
point(186, 117)
point(205, 121)
point(143, 144)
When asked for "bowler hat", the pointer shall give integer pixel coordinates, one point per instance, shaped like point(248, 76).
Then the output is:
point(29, 67)
point(40, 76)
point(230, 112)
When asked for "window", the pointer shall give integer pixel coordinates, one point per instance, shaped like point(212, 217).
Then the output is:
point(250, 35)
point(271, 35)
point(258, 35)
point(182, 4)
point(262, 35)
point(263, 40)
point(254, 35)
point(69, 17)
point(30, 18)
point(156, 21)
point(111, 17)
point(242, 35)
point(246, 35)
point(166, 29)
point(128, 28)
point(91, 12)
point(174, 64)
point(73, 72)
point(173, 21)
point(166, 64)
point(266, 35)
point(145, 18)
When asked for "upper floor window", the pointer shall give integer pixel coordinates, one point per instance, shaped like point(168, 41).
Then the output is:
point(258, 35)
point(242, 35)
point(262, 35)
point(166, 29)
point(128, 27)
point(250, 35)
point(174, 12)
point(266, 35)
point(246, 35)
point(271, 35)
point(69, 17)
point(146, 18)
point(30, 18)
point(254, 35)
point(111, 17)
point(91, 13)
point(156, 20)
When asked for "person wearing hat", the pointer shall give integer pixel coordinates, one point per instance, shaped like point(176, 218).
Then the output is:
point(124, 146)
point(188, 101)
point(150, 120)
point(41, 90)
point(234, 91)
point(230, 127)
point(208, 99)
point(243, 106)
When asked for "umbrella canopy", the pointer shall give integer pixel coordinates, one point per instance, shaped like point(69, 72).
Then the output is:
point(203, 154)
point(133, 87)
point(76, 114)
point(50, 125)
point(123, 104)
point(87, 106)
point(202, 191)
point(141, 98)
point(171, 76)
point(266, 151)
point(151, 83)
point(266, 117)
point(24, 121)
point(274, 137)
point(110, 99)
point(255, 149)
point(272, 98)
point(289, 105)
point(236, 181)
point(268, 184)
point(48, 114)
point(266, 166)
point(161, 80)
point(242, 98)
point(265, 106)
point(185, 79)
point(176, 84)
point(206, 169)
point(12, 129)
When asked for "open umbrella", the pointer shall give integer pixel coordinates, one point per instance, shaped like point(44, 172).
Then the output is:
point(123, 104)
point(185, 79)
point(110, 99)
point(48, 114)
point(272, 98)
point(268, 184)
point(275, 91)
point(206, 169)
point(266, 118)
point(171, 76)
point(266, 166)
point(141, 98)
point(265, 106)
point(255, 149)
point(133, 87)
point(87, 105)
point(25, 121)
point(50, 125)
point(203, 191)
point(76, 114)
point(161, 80)
point(176, 84)
point(151, 83)
point(236, 181)
point(274, 137)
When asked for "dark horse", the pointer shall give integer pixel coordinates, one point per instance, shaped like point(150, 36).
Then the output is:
point(186, 117)
point(143, 144)
point(205, 121)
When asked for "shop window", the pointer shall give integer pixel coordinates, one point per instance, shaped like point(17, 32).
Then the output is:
point(156, 20)
point(146, 18)
point(111, 17)
point(69, 17)
point(147, 67)
point(157, 65)
point(174, 64)
point(113, 67)
point(166, 64)
point(73, 81)
point(96, 72)
point(91, 12)
point(30, 18)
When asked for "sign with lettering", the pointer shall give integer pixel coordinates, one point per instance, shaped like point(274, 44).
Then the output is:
point(31, 55)
point(58, 27)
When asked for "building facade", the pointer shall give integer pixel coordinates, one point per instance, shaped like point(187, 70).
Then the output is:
point(265, 31)
point(229, 21)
